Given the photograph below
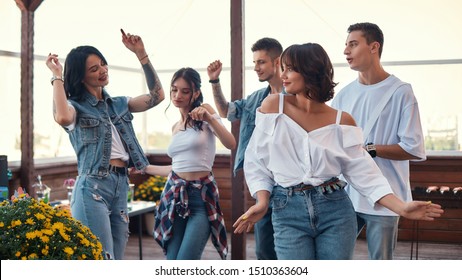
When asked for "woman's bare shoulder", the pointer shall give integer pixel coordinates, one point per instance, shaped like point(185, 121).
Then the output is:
point(270, 104)
point(347, 119)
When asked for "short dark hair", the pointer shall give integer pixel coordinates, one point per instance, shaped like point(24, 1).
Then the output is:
point(270, 45)
point(313, 63)
point(74, 70)
point(371, 32)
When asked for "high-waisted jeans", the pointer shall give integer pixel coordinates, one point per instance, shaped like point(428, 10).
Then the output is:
point(190, 235)
point(313, 224)
point(101, 204)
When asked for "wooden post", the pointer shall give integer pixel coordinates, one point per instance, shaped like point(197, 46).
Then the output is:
point(238, 242)
point(27, 8)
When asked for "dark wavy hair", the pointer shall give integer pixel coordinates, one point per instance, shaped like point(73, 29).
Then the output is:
point(74, 70)
point(313, 63)
point(193, 79)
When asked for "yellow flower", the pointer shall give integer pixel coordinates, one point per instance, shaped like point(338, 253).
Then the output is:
point(151, 189)
point(32, 256)
point(38, 231)
point(40, 216)
point(45, 239)
point(68, 251)
point(47, 232)
point(31, 235)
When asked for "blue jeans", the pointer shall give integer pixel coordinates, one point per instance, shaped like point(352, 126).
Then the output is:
point(381, 234)
point(313, 225)
point(101, 204)
point(190, 235)
point(264, 239)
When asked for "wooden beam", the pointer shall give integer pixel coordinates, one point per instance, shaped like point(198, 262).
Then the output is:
point(27, 171)
point(27, 106)
point(28, 5)
point(238, 242)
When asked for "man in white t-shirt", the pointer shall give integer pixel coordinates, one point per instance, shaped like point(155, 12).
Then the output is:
point(395, 137)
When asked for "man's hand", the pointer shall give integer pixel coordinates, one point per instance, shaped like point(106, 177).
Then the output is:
point(214, 70)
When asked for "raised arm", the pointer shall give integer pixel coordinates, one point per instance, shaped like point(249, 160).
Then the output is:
point(205, 113)
point(63, 113)
point(214, 70)
point(156, 93)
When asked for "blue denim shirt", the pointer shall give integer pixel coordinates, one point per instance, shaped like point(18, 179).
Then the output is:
point(92, 137)
point(245, 110)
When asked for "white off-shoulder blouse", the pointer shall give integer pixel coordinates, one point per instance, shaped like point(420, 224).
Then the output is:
point(281, 152)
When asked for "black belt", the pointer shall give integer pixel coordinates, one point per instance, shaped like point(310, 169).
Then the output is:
point(118, 169)
point(303, 187)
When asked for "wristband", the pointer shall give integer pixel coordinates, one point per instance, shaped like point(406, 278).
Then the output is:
point(216, 81)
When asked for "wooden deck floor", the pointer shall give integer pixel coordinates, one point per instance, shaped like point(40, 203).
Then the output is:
point(426, 251)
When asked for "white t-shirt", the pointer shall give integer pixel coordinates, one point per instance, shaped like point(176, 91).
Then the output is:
point(117, 148)
point(399, 123)
point(282, 152)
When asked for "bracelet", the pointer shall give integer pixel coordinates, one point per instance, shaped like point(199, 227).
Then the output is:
point(54, 78)
point(216, 81)
point(143, 57)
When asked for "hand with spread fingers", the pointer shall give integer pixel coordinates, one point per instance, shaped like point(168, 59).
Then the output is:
point(253, 214)
point(422, 210)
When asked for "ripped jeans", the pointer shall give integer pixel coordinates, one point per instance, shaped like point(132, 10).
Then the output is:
point(100, 203)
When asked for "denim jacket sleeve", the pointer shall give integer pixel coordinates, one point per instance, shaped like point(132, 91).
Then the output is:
point(235, 109)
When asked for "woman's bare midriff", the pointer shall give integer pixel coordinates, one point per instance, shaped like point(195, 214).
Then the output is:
point(118, 162)
point(189, 176)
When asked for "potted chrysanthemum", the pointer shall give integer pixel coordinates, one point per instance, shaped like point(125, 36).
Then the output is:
point(33, 230)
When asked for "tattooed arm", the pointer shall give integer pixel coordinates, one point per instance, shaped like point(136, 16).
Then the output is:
point(214, 70)
point(156, 93)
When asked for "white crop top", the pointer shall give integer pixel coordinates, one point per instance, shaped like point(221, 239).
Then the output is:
point(193, 150)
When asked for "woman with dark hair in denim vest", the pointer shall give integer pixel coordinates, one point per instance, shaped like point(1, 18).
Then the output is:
point(189, 210)
point(101, 132)
point(298, 149)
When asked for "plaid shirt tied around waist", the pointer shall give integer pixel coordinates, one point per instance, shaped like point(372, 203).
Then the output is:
point(175, 202)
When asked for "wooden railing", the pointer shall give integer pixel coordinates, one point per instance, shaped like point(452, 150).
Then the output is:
point(435, 171)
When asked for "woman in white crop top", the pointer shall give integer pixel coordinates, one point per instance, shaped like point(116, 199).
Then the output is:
point(189, 209)
point(298, 149)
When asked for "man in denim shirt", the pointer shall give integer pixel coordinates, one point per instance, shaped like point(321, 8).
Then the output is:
point(266, 52)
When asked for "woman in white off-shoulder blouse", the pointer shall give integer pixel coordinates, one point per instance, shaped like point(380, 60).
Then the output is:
point(298, 149)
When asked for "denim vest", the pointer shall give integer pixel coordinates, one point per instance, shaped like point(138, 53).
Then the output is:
point(92, 137)
point(245, 110)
